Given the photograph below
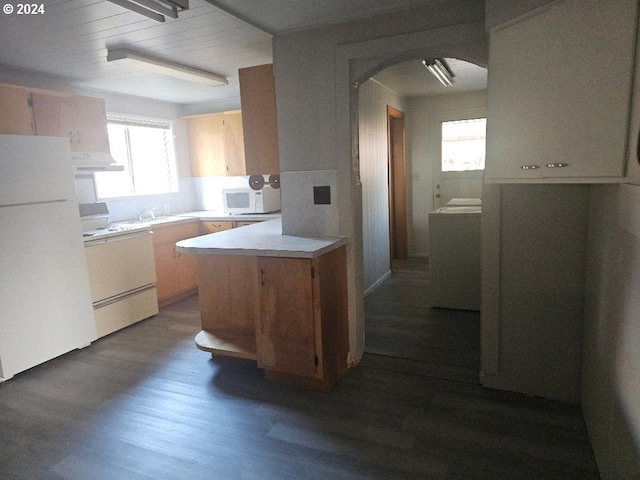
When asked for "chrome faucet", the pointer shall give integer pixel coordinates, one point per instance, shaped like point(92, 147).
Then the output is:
point(147, 214)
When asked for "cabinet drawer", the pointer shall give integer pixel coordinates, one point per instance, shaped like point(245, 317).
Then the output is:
point(213, 227)
point(175, 233)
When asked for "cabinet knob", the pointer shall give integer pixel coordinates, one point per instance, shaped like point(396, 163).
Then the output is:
point(557, 165)
point(529, 167)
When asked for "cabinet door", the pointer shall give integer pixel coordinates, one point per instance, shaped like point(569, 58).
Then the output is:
point(206, 145)
point(259, 118)
point(633, 160)
point(176, 272)
point(590, 68)
point(17, 115)
point(89, 124)
point(52, 115)
point(167, 283)
point(286, 331)
point(81, 119)
point(187, 267)
point(234, 144)
point(515, 110)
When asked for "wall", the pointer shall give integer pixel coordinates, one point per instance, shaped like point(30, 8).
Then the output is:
point(317, 105)
point(373, 99)
point(611, 375)
point(423, 117)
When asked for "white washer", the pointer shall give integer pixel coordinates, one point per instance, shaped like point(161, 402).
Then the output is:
point(454, 257)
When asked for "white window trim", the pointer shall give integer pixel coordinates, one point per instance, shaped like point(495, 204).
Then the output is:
point(454, 116)
point(126, 118)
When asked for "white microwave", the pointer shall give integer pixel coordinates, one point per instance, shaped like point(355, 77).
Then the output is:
point(247, 200)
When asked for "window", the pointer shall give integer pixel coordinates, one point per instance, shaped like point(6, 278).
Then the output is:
point(145, 148)
point(463, 145)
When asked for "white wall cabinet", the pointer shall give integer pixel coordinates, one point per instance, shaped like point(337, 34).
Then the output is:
point(633, 161)
point(558, 93)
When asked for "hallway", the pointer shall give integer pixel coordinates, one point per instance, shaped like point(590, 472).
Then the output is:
point(401, 324)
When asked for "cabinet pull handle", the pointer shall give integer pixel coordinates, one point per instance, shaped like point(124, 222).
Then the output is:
point(638, 148)
point(529, 167)
point(557, 165)
point(261, 276)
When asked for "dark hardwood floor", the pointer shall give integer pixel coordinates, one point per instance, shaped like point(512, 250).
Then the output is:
point(144, 403)
point(401, 324)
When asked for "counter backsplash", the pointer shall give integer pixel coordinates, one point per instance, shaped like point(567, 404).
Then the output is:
point(130, 207)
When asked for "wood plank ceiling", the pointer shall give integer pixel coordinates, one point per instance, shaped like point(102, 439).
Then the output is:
point(69, 42)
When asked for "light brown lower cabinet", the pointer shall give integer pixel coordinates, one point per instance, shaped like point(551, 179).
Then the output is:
point(288, 314)
point(213, 227)
point(176, 272)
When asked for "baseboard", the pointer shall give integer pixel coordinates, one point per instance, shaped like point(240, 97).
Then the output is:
point(373, 287)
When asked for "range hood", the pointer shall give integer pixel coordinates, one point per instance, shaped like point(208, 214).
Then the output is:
point(87, 163)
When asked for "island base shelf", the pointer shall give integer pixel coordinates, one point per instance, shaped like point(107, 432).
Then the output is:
point(227, 344)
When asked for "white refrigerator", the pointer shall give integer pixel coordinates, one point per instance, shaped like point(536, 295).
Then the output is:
point(45, 299)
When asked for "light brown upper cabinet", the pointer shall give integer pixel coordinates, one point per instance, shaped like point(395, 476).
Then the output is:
point(82, 120)
point(216, 144)
point(259, 117)
point(17, 115)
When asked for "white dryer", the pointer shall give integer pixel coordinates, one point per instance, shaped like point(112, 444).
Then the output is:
point(454, 257)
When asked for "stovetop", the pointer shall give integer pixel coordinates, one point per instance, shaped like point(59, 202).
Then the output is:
point(113, 230)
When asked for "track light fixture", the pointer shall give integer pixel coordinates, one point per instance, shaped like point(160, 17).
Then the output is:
point(439, 69)
point(154, 9)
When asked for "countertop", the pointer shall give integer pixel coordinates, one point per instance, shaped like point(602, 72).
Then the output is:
point(128, 227)
point(214, 216)
point(263, 239)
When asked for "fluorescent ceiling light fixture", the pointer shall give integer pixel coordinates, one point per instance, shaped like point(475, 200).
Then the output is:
point(438, 67)
point(154, 9)
point(163, 67)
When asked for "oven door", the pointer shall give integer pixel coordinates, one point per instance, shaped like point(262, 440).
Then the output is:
point(120, 264)
point(122, 276)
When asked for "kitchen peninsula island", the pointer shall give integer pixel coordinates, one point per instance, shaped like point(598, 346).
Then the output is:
point(278, 299)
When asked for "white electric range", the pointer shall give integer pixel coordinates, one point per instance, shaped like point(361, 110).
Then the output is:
point(121, 269)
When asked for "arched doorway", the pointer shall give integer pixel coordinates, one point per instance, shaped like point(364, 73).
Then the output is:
point(354, 64)
point(400, 322)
